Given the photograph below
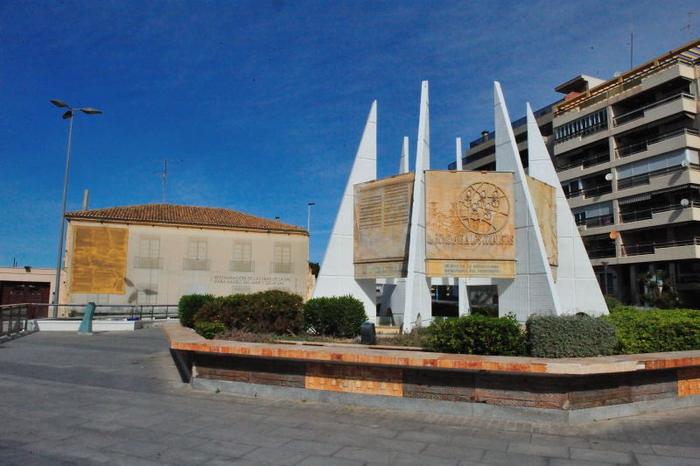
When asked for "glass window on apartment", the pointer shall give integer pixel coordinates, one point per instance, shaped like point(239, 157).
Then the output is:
point(282, 258)
point(149, 253)
point(197, 249)
point(242, 259)
point(196, 255)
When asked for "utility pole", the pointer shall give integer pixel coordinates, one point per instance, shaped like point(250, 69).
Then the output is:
point(164, 175)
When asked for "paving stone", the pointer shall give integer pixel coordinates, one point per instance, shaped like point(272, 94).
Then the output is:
point(366, 454)
point(617, 457)
point(327, 461)
point(313, 448)
point(275, 456)
point(653, 460)
point(458, 453)
point(552, 451)
point(507, 458)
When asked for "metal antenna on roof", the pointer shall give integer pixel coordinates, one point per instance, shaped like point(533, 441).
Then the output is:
point(164, 174)
point(689, 26)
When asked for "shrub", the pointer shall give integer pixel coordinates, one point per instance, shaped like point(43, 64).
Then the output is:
point(656, 330)
point(337, 316)
point(477, 334)
point(270, 311)
point(189, 305)
point(209, 330)
point(572, 336)
point(488, 311)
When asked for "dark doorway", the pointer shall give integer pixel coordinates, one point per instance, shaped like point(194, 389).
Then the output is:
point(27, 292)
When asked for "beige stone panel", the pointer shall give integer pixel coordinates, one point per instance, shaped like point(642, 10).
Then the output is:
point(469, 216)
point(544, 198)
point(470, 268)
point(98, 260)
point(382, 213)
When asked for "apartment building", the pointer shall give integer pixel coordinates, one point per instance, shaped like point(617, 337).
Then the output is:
point(626, 152)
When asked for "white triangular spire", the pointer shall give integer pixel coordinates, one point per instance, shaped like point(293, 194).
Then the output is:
point(576, 283)
point(418, 303)
point(532, 290)
point(458, 153)
point(337, 274)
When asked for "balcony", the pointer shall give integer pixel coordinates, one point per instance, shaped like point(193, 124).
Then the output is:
point(642, 146)
point(678, 103)
point(590, 192)
point(666, 250)
point(281, 267)
point(241, 266)
point(196, 264)
point(593, 222)
point(148, 262)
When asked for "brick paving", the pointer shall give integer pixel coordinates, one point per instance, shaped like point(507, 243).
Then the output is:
point(116, 398)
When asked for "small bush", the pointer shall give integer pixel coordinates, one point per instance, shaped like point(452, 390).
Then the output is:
point(573, 336)
point(656, 330)
point(270, 311)
point(488, 311)
point(337, 316)
point(189, 305)
point(477, 334)
point(209, 330)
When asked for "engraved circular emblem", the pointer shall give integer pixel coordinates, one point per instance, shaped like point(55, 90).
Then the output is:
point(483, 208)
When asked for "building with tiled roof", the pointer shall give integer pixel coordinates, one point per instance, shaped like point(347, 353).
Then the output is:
point(155, 253)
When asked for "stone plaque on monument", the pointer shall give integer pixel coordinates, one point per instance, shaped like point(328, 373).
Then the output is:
point(382, 214)
point(98, 264)
point(470, 228)
point(543, 197)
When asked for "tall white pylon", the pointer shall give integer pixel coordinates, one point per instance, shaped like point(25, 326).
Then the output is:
point(575, 282)
point(532, 291)
point(403, 164)
point(337, 274)
point(461, 283)
point(418, 303)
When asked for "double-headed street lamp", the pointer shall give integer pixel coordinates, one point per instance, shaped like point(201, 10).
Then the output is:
point(66, 116)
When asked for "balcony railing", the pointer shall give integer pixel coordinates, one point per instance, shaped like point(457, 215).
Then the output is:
point(241, 266)
point(639, 113)
point(148, 262)
point(641, 146)
point(196, 264)
point(586, 162)
point(647, 214)
point(590, 192)
point(600, 252)
point(645, 178)
point(583, 132)
point(281, 267)
point(13, 319)
point(650, 248)
point(599, 221)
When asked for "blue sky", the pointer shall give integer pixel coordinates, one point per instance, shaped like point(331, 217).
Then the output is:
point(259, 105)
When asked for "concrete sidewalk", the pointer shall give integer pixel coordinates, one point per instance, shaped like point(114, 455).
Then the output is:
point(116, 398)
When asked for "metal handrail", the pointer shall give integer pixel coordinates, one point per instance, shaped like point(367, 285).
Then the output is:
point(646, 214)
point(107, 311)
point(13, 319)
point(650, 248)
point(641, 146)
point(639, 113)
point(587, 161)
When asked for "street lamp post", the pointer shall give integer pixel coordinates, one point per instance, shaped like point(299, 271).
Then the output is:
point(68, 115)
point(308, 218)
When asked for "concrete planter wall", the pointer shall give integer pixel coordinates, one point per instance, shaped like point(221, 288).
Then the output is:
point(556, 390)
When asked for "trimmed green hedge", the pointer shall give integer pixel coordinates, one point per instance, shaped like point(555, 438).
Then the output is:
point(477, 334)
point(189, 305)
point(656, 330)
point(572, 336)
point(338, 316)
point(270, 311)
point(209, 330)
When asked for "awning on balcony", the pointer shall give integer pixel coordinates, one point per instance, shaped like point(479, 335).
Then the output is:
point(633, 199)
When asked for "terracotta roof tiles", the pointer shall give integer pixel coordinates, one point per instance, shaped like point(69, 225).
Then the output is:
point(183, 215)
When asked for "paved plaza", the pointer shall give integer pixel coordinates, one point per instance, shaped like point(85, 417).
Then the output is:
point(116, 398)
